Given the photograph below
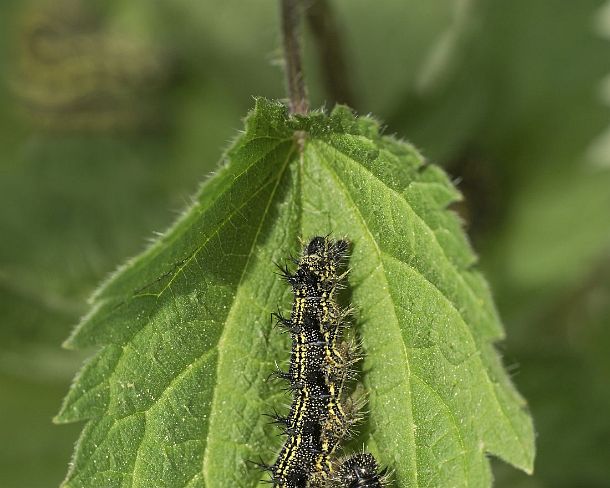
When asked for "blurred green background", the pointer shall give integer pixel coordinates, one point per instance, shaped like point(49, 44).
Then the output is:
point(113, 112)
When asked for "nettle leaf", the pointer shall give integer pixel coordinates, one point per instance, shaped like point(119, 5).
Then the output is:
point(176, 393)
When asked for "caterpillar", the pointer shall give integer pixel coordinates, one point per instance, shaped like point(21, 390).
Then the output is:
point(360, 471)
point(320, 415)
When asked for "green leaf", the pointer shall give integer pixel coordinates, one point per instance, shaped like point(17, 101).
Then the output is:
point(176, 393)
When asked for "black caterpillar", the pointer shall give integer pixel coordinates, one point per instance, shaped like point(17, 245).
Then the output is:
point(321, 362)
point(360, 471)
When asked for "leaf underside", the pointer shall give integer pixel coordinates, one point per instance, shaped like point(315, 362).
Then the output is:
point(175, 394)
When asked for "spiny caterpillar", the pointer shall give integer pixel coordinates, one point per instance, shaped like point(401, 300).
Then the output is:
point(360, 471)
point(320, 416)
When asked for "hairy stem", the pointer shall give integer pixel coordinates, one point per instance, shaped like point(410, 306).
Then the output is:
point(297, 92)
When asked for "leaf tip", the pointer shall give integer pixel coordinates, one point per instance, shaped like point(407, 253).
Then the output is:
point(62, 417)
point(58, 419)
point(80, 337)
point(69, 344)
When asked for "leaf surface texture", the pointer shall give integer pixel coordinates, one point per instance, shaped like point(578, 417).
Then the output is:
point(175, 394)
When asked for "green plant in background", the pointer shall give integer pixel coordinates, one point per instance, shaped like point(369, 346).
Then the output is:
point(481, 87)
point(74, 73)
point(176, 392)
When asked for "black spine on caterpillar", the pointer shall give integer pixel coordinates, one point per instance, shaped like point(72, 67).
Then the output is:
point(316, 367)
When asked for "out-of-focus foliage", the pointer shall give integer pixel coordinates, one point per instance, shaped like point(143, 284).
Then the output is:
point(74, 72)
point(504, 94)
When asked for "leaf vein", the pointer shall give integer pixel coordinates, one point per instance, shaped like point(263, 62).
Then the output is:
point(221, 341)
point(348, 195)
point(457, 271)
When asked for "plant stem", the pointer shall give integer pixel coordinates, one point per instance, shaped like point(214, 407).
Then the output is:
point(297, 92)
point(323, 25)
